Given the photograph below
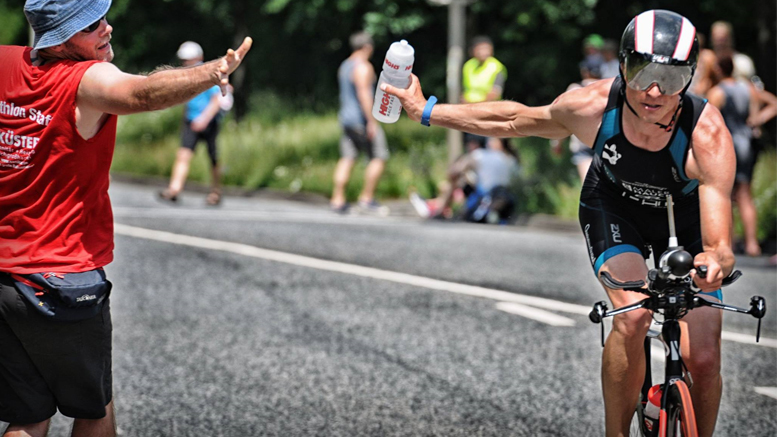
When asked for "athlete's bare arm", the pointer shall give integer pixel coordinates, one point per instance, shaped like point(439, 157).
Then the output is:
point(764, 107)
point(711, 160)
point(571, 113)
point(104, 89)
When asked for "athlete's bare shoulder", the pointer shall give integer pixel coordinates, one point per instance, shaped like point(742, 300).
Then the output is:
point(712, 149)
point(587, 101)
point(581, 109)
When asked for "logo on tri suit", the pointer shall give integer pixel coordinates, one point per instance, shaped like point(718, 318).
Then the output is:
point(613, 156)
point(588, 242)
point(616, 233)
point(675, 176)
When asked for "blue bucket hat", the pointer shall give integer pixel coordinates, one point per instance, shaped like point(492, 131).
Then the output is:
point(56, 21)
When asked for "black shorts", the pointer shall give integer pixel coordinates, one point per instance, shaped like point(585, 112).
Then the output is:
point(47, 365)
point(612, 226)
point(189, 138)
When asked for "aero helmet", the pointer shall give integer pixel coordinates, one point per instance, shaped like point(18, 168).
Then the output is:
point(659, 47)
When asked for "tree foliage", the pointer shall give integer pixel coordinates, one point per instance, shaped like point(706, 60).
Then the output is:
point(299, 44)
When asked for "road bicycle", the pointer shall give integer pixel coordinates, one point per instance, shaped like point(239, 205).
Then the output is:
point(670, 292)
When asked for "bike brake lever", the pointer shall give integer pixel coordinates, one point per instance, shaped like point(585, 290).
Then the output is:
point(610, 282)
point(701, 272)
point(730, 279)
point(597, 315)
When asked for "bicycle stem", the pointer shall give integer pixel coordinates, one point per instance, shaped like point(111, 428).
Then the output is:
point(672, 230)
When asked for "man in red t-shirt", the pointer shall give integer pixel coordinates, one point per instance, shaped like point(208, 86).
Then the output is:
point(58, 106)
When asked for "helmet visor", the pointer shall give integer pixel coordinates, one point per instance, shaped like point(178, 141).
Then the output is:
point(642, 71)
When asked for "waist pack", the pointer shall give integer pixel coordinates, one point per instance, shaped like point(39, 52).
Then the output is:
point(66, 297)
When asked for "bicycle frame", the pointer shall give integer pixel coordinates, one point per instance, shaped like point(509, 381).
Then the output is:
point(670, 292)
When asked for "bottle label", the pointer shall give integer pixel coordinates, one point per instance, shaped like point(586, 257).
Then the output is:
point(649, 424)
point(385, 101)
point(396, 67)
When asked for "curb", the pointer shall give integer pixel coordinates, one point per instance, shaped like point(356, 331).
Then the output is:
point(398, 207)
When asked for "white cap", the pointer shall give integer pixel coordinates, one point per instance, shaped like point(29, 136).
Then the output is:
point(399, 59)
point(401, 53)
point(189, 50)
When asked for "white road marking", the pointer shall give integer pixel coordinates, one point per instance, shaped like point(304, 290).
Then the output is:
point(386, 275)
point(767, 391)
point(535, 314)
point(333, 266)
point(749, 339)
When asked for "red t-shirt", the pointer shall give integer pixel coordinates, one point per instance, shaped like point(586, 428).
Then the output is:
point(55, 214)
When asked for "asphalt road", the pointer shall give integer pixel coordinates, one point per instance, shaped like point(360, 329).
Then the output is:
point(220, 332)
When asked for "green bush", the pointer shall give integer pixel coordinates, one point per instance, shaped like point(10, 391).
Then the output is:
point(764, 188)
point(280, 149)
point(286, 149)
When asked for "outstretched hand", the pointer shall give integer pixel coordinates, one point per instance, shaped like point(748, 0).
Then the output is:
point(412, 97)
point(231, 61)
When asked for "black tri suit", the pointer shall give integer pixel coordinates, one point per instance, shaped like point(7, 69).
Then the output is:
point(623, 201)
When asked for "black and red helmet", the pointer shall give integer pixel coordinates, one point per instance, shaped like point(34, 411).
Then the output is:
point(659, 47)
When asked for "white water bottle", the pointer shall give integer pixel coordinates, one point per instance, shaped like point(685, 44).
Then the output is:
point(653, 407)
point(396, 72)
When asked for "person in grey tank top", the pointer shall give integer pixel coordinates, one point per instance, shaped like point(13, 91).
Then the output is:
point(736, 101)
point(361, 133)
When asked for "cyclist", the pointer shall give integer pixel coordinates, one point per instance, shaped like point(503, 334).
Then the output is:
point(60, 103)
point(650, 139)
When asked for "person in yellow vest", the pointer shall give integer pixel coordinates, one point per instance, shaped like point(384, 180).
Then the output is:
point(483, 79)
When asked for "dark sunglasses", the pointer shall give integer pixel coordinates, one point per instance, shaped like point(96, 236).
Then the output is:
point(94, 26)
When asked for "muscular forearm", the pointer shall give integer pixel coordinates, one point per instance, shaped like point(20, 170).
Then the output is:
point(495, 119)
point(166, 88)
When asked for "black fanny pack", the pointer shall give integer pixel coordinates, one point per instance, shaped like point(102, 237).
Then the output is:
point(66, 297)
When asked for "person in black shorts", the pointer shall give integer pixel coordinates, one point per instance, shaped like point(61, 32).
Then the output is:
point(44, 354)
point(56, 219)
point(201, 122)
point(650, 139)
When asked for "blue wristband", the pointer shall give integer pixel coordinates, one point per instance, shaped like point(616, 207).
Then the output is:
point(428, 110)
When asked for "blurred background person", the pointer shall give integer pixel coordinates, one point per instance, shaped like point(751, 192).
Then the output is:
point(722, 43)
point(702, 79)
point(482, 79)
point(361, 133)
point(592, 48)
point(610, 64)
point(201, 122)
point(739, 104)
point(483, 176)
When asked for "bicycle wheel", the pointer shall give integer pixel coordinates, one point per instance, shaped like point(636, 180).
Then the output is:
point(679, 419)
point(635, 428)
point(640, 425)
